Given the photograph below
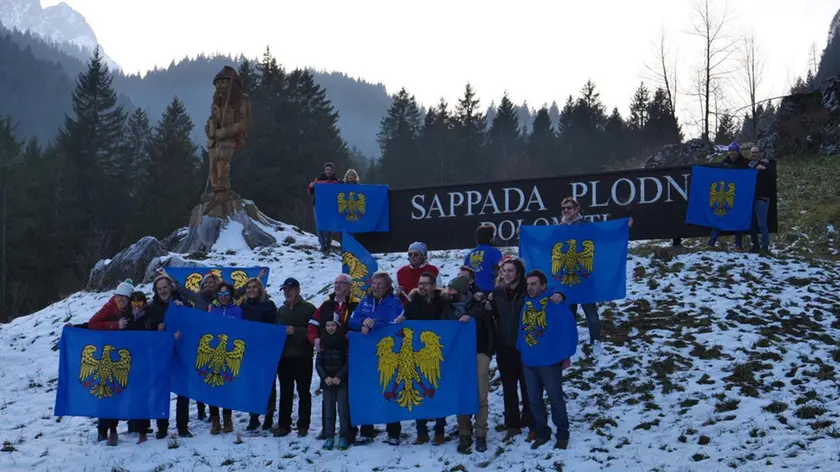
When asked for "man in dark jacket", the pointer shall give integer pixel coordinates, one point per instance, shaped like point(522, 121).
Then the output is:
point(734, 160)
point(296, 364)
point(426, 302)
point(328, 177)
point(463, 307)
point(166, 293)
point(765, 188)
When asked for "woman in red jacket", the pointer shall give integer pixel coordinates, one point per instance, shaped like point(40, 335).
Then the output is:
point(113, 315)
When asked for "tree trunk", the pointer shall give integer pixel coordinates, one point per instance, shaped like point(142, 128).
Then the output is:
point(3, 264)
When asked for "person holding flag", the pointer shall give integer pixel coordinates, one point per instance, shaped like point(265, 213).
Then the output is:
point(547, 338)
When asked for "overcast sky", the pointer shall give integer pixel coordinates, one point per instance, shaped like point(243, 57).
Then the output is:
point(538, 51)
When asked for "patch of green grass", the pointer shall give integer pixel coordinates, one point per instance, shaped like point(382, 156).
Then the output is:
point(809, 412)
point(776, 407)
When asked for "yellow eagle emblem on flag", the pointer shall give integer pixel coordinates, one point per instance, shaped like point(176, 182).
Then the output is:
point(193, 281)
point(571, 265)
point(407, 369)
point(477, 260)
point(218, 365)
point(721, 201)
point(352, 208)
point(104, 377)
point(358, 271)
point(533, 322)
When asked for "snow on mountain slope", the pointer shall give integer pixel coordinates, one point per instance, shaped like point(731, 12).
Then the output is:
point(715, 361)
point(58, 23)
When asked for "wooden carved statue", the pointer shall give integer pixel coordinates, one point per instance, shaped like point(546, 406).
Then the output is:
point(230, 119)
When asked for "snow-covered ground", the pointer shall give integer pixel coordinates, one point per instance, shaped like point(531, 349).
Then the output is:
point(715, 361)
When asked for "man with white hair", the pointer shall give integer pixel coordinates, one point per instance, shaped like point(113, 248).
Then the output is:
point(338, 307)
point(765, 186)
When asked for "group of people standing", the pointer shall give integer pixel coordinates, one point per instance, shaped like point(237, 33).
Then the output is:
point(490, 289)
point(329, 177)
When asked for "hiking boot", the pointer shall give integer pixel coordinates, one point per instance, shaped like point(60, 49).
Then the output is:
point(228, 424)
point(254, 424)
point(439, 439)
point(281, 432)
point(561, 444)
point(465, 444)
point(143, 438)
point(161, 433)
point(184, 432)
point(422, 439)
point(215, 425)
point(303, 432)
point(343, 444)
point(321, 436)
point(132, 428)
point(329, 444)
point(113, 439)
point(101, 435)
point(481, 444)
point(511, 433)
point(532, 435)
point(202, 414)
point(268, 423)
point(538, 442)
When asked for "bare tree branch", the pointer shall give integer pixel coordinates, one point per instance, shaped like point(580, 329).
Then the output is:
point(752, 72)
point(712, 26)
point(663, 73)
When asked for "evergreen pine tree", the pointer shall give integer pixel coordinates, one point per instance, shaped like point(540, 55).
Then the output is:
point(662, 127)
point(542, 142)
point(616, 134)
point(469, 133)
point(399, 140)
point(138, 134)
point(505, 141)
point(436, 144)
point(173, 182)
point(9, 156)
point(726, 130)
point(639, 109)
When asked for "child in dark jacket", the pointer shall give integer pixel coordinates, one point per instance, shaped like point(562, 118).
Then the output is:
point(332, 364)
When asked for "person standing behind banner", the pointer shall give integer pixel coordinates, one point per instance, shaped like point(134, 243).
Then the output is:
point(380, 308)
point(735, 160)
point(351, 177)
point(484, 259)
point(408, 275)
point(295, 368)
point(223, 305)
point(258, 306)
point(113, 315)
point(327, 177)
point(765, 186)
point(572, 216)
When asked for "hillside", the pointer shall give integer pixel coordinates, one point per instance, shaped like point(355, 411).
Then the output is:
point(714, 361)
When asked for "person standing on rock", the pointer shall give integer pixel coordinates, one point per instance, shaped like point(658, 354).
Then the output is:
point(164, 294)
point(295, 368)
point(735, 160)
point(765, 187)
point(327, 177)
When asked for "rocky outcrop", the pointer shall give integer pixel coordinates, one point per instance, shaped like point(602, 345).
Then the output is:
point(167, 261)
point(686, 153)
point(805, 123)
point(131, 263)
point(209, 218)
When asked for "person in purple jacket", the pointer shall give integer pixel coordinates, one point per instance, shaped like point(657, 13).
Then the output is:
point(378, 309)
point(223, 305)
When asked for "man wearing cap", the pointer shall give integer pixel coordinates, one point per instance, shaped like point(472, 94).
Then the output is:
point(327, 177)
point(409, 275)
point(765, 187)
point(295, 366)
point(463, 307)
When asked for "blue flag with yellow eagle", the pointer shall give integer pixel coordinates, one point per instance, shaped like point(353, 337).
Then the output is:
point(413, 370)
point(224, 362)
point(189, 278)
point(358, 263)
point(721, 198)
point(586, 262)
point(547, 332)
point(121, 375)
point(353, 208)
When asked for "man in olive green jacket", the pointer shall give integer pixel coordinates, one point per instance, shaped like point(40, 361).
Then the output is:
point(296, 364)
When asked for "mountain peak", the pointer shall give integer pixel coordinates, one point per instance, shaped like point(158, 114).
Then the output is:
point(58, 23)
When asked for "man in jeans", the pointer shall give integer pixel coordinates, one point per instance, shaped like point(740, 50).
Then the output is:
point(764, 188)
point(295, 367)
point(328, 177)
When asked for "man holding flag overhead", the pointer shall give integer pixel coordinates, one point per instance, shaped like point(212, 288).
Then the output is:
point(547, 337)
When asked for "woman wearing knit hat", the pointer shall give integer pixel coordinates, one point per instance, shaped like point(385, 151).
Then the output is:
point(112, 316)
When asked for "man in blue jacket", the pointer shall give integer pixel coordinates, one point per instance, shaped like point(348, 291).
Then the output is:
point(378, 309)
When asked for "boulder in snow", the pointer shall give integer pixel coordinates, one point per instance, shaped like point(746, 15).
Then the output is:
point(130, 263)
point(209, 219)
